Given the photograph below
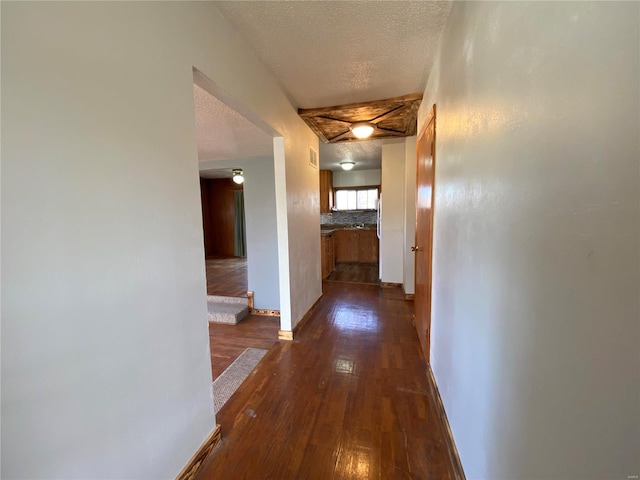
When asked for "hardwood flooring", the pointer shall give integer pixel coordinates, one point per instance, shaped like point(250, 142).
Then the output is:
point(349, 398)
point(227, 276)
point(366, 273)
point(227, 342)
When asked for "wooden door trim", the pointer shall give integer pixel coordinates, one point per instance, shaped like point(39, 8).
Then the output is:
point(431, 118)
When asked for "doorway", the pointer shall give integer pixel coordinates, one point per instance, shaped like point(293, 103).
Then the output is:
point(224, 227)
point(425, 176)
point(237, 170)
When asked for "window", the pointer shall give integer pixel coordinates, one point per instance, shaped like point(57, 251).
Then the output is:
point(361, 198)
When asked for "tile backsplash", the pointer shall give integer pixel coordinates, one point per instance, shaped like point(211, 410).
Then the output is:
point(347, 218)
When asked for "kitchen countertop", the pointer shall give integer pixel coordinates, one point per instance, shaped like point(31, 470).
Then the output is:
point(329, 229)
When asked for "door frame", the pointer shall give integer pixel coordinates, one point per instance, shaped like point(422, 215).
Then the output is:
point(431, 117)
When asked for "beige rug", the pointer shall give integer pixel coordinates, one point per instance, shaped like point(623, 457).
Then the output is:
point(228, 382)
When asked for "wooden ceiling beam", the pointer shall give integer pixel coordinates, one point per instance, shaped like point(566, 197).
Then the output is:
point(394, 117)
point(392, 131)
point(337, 138)
point(384, 116)
point(333, 119)
point(314, 112)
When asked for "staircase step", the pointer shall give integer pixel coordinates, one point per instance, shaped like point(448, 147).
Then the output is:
point(225, 312)
point(221, 299)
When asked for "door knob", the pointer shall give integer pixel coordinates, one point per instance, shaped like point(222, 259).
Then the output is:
point(415, 249)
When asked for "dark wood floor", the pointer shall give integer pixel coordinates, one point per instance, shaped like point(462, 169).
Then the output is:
point(227, 276)
point(227, 342)
point(349, 398)
point(366, 273)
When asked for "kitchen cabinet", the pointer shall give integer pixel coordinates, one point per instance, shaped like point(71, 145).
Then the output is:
point(326, 191)
point(345, 246)
point(356, 246)
point(367, 246)
point(328, 258)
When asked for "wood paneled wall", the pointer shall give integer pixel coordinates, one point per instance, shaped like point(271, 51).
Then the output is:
point(218, 215)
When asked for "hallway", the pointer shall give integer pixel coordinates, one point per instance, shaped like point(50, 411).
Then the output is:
point(349, 398)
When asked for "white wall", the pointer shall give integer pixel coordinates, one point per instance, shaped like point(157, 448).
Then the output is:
point(410, 165)
point(392, 211)
point(261, 232)
point(105, 356)
point(357, 178)
point(536, 278)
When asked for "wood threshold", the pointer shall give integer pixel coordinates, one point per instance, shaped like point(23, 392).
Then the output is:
point(389, 285)
point(191, 469)
point(452, 450)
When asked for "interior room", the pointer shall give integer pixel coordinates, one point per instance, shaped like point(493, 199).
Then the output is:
point(491, 217)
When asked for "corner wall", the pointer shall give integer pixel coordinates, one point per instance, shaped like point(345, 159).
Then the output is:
point(105, 348)
point(262, 235)
point(536, 263)
point(392, 211)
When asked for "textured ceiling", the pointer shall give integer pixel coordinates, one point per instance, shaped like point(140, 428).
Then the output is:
point(222, 133)
point(217, 173)
point(367, 155)
point(332, 53)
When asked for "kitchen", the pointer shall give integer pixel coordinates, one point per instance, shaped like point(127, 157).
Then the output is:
point(348, 225)
point(368, 240)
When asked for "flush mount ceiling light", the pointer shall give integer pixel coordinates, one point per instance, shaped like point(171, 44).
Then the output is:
point(362, 129)
point(238, 176)
point(347, 165)
point(388, 118)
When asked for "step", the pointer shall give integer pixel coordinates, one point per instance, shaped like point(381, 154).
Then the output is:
point(221, 299)
point(226, 312)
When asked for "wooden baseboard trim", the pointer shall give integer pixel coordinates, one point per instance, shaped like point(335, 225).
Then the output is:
point(191, 468)
point(307, 315)
point(289, 334)
point(264, 313)
point(451, 444)
point(285, 335)
point(407, 296)
point(389, 285)
point(250, 297)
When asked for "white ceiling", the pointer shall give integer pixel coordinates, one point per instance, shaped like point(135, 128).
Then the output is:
point(217, 173)
point(222, 133)
point(325, 53)
point(367, 155)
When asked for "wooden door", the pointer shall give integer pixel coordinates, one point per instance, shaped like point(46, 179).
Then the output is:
point(424, 230)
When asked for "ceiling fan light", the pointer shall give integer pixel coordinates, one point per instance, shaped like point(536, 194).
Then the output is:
point(238, 176)
point(347, 165)
point(362, 129)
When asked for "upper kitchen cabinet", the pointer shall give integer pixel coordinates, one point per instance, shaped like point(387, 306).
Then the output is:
point(326, 191)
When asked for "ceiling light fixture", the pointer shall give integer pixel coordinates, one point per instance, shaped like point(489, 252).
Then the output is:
point(347, 165)
point(362, 129)
point(238, 176)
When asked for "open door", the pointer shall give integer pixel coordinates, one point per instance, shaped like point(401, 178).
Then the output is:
point(424, 230)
